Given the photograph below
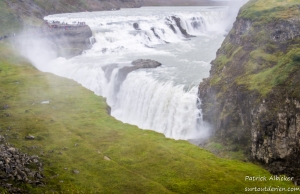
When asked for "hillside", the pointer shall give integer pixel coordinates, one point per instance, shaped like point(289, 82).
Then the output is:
point(252, 95)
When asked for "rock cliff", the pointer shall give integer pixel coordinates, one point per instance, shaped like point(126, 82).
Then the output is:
point(70, 41)
point(252, 97)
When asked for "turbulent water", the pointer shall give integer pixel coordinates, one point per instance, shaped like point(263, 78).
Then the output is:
point(163, 99)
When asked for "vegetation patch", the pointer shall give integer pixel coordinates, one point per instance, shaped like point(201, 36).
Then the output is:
point(265, 80)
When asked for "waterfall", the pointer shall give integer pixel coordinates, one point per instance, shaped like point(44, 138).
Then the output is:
point(149, 98)
point(165, 107)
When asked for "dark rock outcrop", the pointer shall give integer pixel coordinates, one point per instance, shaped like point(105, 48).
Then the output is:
point(252, 96)
point(136, 26)
point(182, 30)
point(137, 64)
point(124, 71)
point(174, 20)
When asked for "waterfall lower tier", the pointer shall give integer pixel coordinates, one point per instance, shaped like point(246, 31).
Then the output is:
point(163, 107)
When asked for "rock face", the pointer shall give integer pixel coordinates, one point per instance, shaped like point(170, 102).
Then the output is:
point(70, 41)
point(252, 97)
point(63, 41)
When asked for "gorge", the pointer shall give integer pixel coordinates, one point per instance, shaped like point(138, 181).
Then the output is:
point(249, 99)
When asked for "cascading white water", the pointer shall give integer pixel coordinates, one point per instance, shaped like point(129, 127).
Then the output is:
point(162, 99)
point(165, 107)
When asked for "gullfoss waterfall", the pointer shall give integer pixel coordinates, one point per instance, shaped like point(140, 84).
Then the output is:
point(163, 99)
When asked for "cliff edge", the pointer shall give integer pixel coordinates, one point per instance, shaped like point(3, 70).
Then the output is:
point(252, 97)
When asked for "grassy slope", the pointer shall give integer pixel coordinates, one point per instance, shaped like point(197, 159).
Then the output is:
point(141, 161)
point(8, 20)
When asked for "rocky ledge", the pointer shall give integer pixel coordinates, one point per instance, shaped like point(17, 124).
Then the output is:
point(137, 64)
point(69, 40)
point(124, 71)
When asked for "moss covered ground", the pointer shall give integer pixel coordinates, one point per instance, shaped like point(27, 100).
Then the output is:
point(74, 132)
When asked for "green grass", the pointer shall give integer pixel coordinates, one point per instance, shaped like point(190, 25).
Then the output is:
point(269, 10)
point(277, 75)
point(229, 151)
point(142, 161)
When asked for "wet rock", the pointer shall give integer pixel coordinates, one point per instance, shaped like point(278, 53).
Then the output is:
point(136, 26)
point(182, 30)
point(137, 64)
point(145, 63)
